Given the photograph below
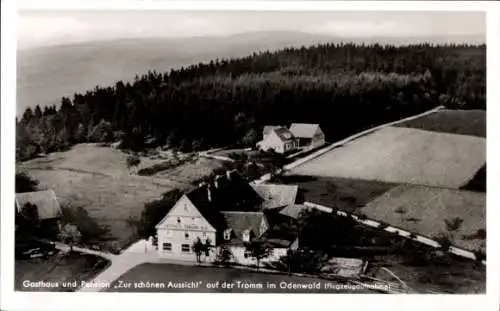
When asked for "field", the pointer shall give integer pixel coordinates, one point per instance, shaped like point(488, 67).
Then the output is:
point(163, 273)
point(191, 171)
point(97, 179)
point(403, 155)
point(343, 193)
point(58, 268)
point(455, 276)
point(424, 210)
point(463, 122)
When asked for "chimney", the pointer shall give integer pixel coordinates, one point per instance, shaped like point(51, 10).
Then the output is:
point(228, 175)
point(209, 193)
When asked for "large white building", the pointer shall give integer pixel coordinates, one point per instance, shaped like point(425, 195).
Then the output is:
point(226, 211)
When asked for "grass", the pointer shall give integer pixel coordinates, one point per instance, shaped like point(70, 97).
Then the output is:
point(403, 155)
point(453, 275)
point(58, 268)
point(431, 208)
point(98, 179)
point(164, 273)
point(463, 122)
point(342, 193)
point(191, 170)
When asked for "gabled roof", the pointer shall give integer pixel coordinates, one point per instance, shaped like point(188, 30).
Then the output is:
point(45, 201)
point(283, 133)
point(239, 222)
point(269, 128)
point(275, 196)
point(226, 194)
point(293, 210)
point(304, 130)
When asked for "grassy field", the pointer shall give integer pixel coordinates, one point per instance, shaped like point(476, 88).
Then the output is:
point(464, 122)
point(163, 273)
point(97, 179)
point(455, 277)
point(424, 210)
point(343, 193)
point(403, 155)
point(191, 171)
point(58, 268)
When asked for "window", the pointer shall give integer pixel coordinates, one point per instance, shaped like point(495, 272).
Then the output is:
point(227, 235)
point(204, 234)
point(186, 235)
point(169, 233)
point(178, 220)
point(185, 248)
point(185, 207)
point(167, 246)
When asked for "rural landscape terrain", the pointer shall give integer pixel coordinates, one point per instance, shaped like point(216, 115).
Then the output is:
point(401, 173)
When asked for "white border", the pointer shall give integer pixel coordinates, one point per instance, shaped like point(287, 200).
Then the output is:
point(85, 301)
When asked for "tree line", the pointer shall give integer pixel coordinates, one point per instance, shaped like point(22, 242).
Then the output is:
point(343, 87)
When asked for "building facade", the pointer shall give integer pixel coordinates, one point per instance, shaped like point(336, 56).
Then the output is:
point(181, 228)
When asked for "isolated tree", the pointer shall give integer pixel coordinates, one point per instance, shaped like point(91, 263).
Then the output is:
point(224, 256)
point(258, 249)
point(133, 161)
point(102, 132)
point(250, 138)
point(444, 240)
point(198, 249)
point(452, 225)
point(70, 235)
point(207, 247)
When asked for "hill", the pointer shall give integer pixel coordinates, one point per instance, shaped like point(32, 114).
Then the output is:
point(46, 74)
point(343, 87)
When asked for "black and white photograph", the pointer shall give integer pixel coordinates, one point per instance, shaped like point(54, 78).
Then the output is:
point(249, 151)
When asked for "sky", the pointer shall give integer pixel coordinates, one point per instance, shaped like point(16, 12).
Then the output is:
point(41, 28)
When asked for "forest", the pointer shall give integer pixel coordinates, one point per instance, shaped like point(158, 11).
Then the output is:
point(343, 87)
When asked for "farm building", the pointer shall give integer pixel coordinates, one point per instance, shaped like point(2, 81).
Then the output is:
point(47, 210)
point(280, 139)
point(226, 211)
point(308, 135)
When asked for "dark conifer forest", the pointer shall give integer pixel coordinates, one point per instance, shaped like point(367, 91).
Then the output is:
point(343, 87)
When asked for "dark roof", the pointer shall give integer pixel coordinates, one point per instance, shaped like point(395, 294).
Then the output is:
point(238, 222)
point(45, 201)
point(304, 130)
point(283, 133)
point(226, 194)
point(282, 229)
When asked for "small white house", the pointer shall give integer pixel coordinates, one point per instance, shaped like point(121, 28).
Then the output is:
point(281, 140)
point(308, 135)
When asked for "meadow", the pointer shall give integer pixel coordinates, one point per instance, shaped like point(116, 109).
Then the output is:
point(403, 155)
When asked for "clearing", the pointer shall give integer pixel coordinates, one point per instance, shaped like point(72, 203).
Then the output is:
point(424, 210)
point(463, 122)
point(58, 268)
point(97, 179)
point(204, 276)
point(403, 155)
